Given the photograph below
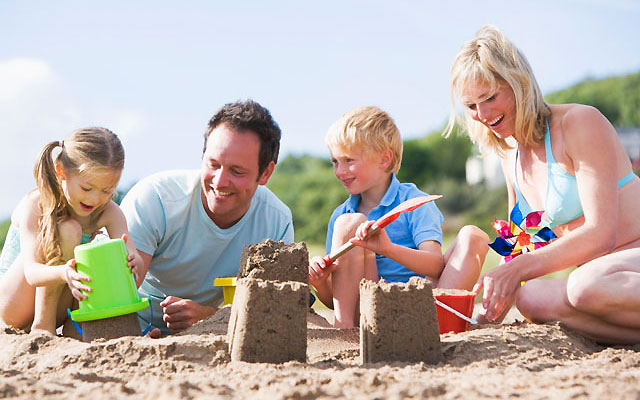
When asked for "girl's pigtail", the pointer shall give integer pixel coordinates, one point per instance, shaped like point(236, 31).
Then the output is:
point(52, 204)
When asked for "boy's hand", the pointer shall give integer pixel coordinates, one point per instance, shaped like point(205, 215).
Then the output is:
point(379, 242)
point(319, 271)
point(74, 280)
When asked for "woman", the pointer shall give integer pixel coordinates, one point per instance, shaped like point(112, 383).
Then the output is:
point(566, 160)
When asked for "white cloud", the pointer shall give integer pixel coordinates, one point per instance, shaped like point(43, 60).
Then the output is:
point(36, 107)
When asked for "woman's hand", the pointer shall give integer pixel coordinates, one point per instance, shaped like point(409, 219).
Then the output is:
point(377, 242)
point(74, 280)
point(319, 271)
point(500, 288)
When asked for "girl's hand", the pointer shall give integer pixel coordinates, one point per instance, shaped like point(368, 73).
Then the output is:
point(379, 242)
point(500, 288)
point(74, 280)
point(319, 271)
point(134, 261)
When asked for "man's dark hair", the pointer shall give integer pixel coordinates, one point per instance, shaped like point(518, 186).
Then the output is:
point(243, 116)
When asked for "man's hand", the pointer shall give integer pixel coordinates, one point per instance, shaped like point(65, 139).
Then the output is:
point(179, 314)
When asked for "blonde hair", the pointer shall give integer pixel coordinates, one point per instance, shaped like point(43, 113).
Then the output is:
point(84, 151)
point(370, 129)
point(491, 59)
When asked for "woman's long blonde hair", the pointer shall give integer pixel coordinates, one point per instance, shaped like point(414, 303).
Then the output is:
point(491, 59)
point(85, 151)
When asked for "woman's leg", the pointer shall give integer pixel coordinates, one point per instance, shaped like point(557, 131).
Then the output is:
point(356, 264)
point(464, 259)
point(601, 299)
point(52, 301)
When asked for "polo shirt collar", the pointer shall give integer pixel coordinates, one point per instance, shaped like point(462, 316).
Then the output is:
point(387, 200)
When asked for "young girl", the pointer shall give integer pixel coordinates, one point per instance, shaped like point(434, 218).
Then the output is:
point(72, 201)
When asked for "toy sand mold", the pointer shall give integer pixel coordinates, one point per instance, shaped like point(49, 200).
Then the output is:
point(109, 310)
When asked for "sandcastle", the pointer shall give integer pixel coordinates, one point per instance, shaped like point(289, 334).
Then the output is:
point(398, 322)
point(268, 321)
point(275, 261)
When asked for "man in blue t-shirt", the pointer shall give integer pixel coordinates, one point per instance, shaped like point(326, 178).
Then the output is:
point(190, 226)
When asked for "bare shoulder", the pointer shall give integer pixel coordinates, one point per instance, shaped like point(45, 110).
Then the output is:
point(582, 125)
point(111, 213)
point(581, 118)
point(28, 211)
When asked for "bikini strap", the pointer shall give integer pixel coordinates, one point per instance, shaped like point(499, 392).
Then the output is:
point(547, 147)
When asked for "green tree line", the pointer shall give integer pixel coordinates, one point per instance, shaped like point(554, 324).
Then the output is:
point(436, 165)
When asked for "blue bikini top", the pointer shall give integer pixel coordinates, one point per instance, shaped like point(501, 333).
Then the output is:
point(562, 203)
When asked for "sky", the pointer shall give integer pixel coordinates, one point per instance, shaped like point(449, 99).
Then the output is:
point(155, 72)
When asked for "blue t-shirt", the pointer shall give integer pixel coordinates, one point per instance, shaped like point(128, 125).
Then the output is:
point(167, 220)
point(409, 230)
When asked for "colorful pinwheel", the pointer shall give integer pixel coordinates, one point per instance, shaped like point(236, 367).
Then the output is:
point(521, 235)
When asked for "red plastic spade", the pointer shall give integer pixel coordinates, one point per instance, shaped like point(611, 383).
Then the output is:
point(385, 220)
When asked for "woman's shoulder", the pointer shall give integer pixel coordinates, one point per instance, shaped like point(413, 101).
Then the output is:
point(576, 116)
point(581, 127)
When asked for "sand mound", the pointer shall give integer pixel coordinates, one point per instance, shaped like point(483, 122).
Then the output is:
point(519, 360)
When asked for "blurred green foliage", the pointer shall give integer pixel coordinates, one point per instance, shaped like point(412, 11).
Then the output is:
point(435, 164)
point(307, 185)
point(4, 228)
point(618, 98)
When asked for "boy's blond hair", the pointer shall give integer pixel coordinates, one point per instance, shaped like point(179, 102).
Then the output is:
point(369, 129)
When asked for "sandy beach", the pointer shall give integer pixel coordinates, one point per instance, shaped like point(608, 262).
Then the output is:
point(515, 360)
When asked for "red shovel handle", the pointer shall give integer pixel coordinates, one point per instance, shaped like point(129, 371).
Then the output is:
point(405, 206)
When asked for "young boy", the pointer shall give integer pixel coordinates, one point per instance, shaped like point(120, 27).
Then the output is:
point(366, 151)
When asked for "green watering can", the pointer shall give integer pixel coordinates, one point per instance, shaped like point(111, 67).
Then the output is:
point(113, 288)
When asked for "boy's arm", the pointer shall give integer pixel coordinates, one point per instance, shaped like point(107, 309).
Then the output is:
point(426, 260)
point(320, 279)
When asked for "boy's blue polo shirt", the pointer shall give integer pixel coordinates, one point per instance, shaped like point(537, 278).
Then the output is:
point(409, 230)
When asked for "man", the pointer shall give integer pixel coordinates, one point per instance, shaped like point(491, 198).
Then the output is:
point(190, 226)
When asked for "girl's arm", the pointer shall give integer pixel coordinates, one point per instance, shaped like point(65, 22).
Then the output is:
point(35, 271)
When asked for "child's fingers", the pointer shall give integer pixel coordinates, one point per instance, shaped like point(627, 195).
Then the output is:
point(78, 295)
point(78, 285)
point(72, 264)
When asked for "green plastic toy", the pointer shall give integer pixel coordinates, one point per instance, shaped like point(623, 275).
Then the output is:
point(113, 288)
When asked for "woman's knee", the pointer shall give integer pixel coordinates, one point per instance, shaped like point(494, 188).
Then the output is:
point(584, 291)
point(535, 303)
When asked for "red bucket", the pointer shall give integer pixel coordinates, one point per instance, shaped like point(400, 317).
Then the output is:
point(448, 321)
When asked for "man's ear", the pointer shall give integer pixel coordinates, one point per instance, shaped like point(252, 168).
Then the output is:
point(266, 174)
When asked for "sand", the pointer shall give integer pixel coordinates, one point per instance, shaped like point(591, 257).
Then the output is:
point(517, 360)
